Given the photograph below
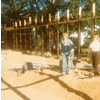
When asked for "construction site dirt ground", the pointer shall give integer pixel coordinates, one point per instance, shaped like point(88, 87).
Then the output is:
point(47, 85)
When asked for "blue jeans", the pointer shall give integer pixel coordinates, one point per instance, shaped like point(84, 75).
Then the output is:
point(65, 63)
point(74, 62)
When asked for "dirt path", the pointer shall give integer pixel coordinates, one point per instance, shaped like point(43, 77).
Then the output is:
point(50, 84)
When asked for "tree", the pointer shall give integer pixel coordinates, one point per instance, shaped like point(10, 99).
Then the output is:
point(11, 10)
point(17, 9)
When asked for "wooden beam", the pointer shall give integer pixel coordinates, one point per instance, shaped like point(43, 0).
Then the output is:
point(58, 18)
point(3, 39)
point(67, 13)
point(25, 35)
point(30, 41)
point(42, 36)
point(20, 24)
point(24, 22)
point(70, 21)
point(30, 22)
point(53, 1)
point(6, 39)
point(79, 35)
point(49, 34)
point(93, 21)
point(6, 36)
point(13, 37)
point(96, 17)
point(16, 36)
point(55, 23)
point(36, 35)
point(20, 36)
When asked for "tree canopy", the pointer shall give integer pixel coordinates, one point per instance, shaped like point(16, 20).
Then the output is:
point(17, 9)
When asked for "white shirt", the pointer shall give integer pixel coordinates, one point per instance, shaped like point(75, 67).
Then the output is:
point(95, 46)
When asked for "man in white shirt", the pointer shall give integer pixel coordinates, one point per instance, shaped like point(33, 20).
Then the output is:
point(95, 49)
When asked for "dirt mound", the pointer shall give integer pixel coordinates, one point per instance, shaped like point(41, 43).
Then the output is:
point(29, 77)
point(50, 84)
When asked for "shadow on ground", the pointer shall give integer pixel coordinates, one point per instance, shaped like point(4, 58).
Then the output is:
point(55, 68)
point(55, 78)
point(14, 89)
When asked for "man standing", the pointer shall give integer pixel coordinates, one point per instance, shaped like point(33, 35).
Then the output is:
point(95, 49)
point(65, 49)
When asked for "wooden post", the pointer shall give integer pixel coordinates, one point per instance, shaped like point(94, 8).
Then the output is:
point(49, 34)
point(42, 36)
point(20, 36)
point(25, 35)
point(16, 36)
point(57, 35)
point(67, 13)
point(79, 36)
point(30, 41)
point(30, 22)
point(53, 1)
point(3, 38)
point(92, 19)
point(36, 34)
point(6, 39)
point(6, 36)
point(13, 37)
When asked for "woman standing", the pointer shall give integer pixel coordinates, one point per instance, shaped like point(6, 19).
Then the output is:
point(95, 49)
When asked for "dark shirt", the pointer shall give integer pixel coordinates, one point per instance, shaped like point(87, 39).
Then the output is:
point(66, 45)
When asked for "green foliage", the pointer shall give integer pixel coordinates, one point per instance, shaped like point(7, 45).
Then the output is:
point(39, 40)
point(87, 43)
point(62, 28)
point(15, 9)
point(12, 10)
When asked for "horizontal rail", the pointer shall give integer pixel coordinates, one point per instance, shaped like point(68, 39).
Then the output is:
point(50, 24)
